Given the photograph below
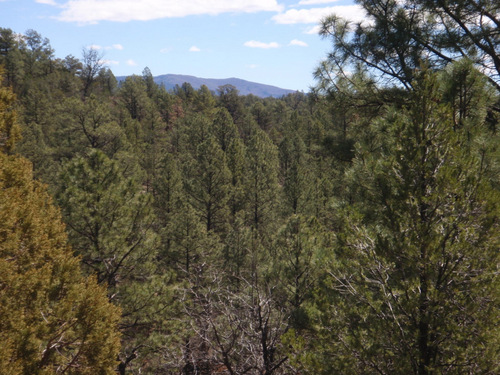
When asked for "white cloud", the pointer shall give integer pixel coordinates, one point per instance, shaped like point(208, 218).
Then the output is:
point(93, 11)
point(107, 48)
point(194, 49)
point(48, 2)
point(166, 50)
point(131, 62)
point(256, 44)
point(252, 66)
point(110, 62)
point(297, 42)
point(314, 2)
point(313, 30)
point(353, 13)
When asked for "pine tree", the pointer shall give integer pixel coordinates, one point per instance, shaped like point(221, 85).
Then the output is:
point(86, 125)
point(11, 58)
point(168, 204)
point(110, 222)
point(9, 128)
point(223, 128)
point(207, 179)
point(236, 162)
point(297, 248)
point(400, 34)
point(108, 218)
point(294, 172)
point(204, 101)
point(262, 181)
point(413, 286)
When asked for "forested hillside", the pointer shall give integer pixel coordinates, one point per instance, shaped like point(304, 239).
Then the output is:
point(350, 230)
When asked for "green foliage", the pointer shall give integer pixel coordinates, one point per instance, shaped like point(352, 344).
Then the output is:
point(412, 281)
point(54, 320)
point(224, 129)
point(168, 202)
point(110, 226)
point(11, 57)
point(90, 126)
point(298, 246)
point(205, 102)
point(236, 162)
point(228, 98)
point(349, 230)
point(262, 181)
point(207, 184)
point(134, 96)
point(9, 128)
point(294, 172)
point(470, 98)
point(402, 34)
point(37, 54)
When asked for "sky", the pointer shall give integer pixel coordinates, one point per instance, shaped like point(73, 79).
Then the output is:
point(273, 42)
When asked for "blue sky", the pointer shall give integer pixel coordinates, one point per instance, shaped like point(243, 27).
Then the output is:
point(268, 41)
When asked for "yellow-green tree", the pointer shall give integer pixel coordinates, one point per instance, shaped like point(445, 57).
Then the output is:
point(52, 319)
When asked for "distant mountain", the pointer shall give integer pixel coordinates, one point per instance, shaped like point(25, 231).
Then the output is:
point(244, 87)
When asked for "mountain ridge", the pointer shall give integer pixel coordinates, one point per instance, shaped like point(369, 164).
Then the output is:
point(169, 81)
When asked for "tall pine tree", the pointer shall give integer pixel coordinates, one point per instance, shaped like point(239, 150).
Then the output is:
point(412, 285)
